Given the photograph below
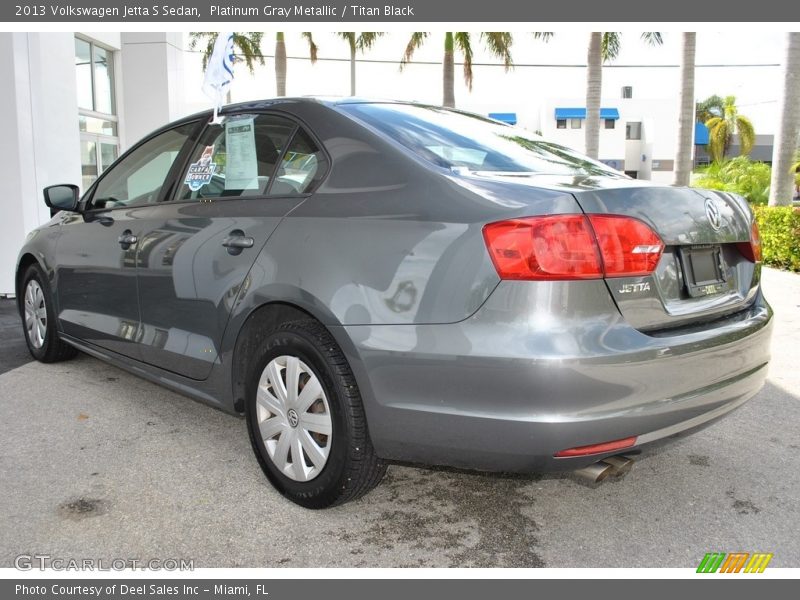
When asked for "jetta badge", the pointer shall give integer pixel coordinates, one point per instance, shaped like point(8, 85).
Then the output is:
point(712, 212)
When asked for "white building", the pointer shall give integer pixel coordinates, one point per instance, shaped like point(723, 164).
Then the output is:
point(636, 136)
point(72, 102)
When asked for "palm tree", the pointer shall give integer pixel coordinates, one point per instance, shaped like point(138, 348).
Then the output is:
point(721, 129)
point(713, 106)
point(246, 45)
point(603, 46)
point(686, 111)
point(498, 44)
point(280, 59)
point(786, 136)
point(358, 42)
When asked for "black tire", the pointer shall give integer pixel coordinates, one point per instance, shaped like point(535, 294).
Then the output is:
point(352, 468)
point(53, 349)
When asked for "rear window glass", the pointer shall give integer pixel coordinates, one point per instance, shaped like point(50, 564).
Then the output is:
point(454, 139)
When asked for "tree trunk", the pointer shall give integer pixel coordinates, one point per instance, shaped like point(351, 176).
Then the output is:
point(280, 64)
point(594, 88)
point(683, 152)
point(782, 188)
point(352, 70)
point(448, 72)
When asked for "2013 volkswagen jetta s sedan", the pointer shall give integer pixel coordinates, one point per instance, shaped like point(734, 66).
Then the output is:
point(375, 281)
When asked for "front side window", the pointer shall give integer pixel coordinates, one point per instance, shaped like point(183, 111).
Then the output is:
point(139, 178)
point(561, 123)
point(610, 124)
point(238, 157)
point(456, 140)
point(575, 123)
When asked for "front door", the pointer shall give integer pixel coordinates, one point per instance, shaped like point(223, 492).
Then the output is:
point(197, 248)
point(97, 289)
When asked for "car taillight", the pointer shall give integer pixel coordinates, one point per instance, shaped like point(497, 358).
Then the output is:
point(572, 247)
point(551, 247)
point(752, 250)
point(628, 246)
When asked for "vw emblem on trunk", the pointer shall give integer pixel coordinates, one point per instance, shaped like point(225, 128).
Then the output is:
point(712, 212)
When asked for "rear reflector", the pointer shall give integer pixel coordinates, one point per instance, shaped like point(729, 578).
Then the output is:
point(752, 250)
point(574, 246)
point(597, 448)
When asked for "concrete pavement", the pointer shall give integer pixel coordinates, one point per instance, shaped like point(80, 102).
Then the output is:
point(98, 463)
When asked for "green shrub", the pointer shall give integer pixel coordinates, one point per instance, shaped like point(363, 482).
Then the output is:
point(779, 227)
point(739, 175)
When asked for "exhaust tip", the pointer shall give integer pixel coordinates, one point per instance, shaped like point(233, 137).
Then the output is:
point(594, 473)
point(616, 466)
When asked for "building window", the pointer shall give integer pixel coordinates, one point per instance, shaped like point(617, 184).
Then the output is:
point(575, 123)
point(97, 120)
point(633, 130)
point(561, 123)
point(610, 123)
point(627, 92)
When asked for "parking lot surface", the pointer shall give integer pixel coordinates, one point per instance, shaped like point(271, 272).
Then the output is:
point(96, 463)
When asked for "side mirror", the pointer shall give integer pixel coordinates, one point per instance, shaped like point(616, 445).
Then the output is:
point(62, 197)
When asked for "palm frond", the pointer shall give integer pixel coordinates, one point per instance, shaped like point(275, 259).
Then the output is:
point(461, 39)
point(747, 134)
point(417, 39)
point(653, 38)
point(349, 37)
point(718, 138)
point(367, 39)
point(545, 36)
point(610, 45)
point(312, 47)
point(499, 44)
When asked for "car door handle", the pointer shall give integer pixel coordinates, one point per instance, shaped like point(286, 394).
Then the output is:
point(127, 239)
point(237, 241)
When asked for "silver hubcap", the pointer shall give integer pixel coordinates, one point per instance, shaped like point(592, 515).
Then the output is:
point(294, 418)
point(35, 314)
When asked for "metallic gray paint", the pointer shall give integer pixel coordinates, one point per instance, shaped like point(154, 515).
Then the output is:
point(455, 366)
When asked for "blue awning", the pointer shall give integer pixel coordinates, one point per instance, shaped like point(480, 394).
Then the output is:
point(700, 134)
point(580, 113)
point(510, 118)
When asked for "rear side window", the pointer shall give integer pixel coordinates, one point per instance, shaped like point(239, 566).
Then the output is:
point(302, 167)
point(236, 158)
point(139, 177)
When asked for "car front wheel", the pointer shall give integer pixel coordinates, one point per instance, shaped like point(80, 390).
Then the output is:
point(38, 319)
point(306, 420)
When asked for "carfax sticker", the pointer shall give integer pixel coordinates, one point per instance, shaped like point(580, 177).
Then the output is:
point(201, 172)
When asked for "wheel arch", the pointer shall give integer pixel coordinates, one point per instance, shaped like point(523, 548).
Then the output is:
point(264, 319)
point(23, 264)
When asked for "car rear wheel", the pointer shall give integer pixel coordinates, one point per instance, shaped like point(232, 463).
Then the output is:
point(306, 420)
point(38, 319)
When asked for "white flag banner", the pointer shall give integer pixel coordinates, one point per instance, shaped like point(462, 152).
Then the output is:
point(219, 72)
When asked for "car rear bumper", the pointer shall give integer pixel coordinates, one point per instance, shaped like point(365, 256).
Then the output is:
point(543, 367)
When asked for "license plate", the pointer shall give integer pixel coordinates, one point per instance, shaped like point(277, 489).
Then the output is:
point(703, 272)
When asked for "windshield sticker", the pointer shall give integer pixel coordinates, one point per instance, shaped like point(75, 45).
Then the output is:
point(201, 172)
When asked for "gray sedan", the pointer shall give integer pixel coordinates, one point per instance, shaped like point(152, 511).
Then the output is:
point(369, 282)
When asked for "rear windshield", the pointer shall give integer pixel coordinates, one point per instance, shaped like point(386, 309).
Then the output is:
point(453, 139)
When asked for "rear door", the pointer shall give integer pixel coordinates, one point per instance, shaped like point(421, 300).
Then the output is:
point(197, 248)
point(707, 269)
point(96, 268)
